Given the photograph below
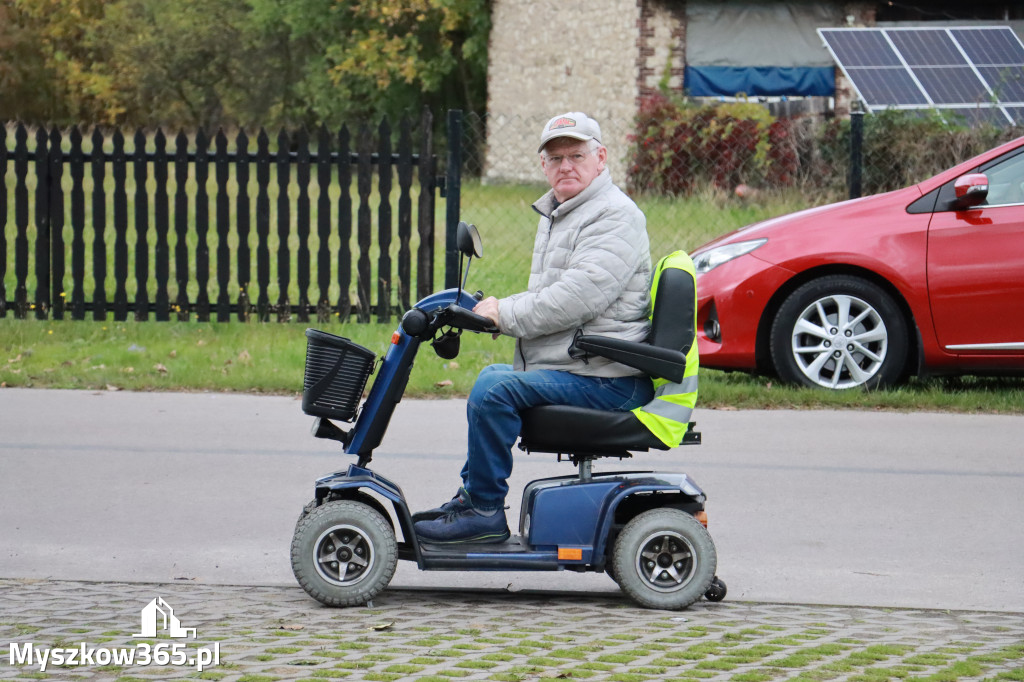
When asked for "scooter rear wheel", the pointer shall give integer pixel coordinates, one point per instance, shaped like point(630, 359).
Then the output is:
point(344, 553)
point(664, 559)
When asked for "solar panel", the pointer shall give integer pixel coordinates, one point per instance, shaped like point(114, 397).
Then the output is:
point(976, 71)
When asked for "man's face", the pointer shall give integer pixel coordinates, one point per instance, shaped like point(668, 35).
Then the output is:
point(571, 166)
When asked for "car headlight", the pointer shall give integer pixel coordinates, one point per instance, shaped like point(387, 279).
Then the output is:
point(709, 260)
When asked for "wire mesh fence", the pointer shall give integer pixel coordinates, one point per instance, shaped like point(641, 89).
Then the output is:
point(700, 172)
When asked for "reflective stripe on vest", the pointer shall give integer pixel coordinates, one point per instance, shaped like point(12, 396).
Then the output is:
point(663, 408)
point(667, 416)
point(689, 385)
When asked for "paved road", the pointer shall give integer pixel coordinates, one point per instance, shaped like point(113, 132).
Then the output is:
point(858, 508)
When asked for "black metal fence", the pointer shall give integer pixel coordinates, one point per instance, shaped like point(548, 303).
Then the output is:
point(133, 217)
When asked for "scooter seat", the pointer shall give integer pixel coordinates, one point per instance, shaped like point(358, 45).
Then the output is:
point(585, 431)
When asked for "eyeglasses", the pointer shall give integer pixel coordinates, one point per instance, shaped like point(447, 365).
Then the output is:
point(555, 160)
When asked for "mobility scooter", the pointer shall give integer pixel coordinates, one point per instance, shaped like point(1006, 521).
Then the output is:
point(646, 530)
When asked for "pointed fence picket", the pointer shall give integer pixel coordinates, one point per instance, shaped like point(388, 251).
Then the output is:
point(133, 218)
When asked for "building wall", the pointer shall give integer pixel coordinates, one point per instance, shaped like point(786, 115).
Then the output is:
point(598, 56)
point(551, 56)
point(662, 45)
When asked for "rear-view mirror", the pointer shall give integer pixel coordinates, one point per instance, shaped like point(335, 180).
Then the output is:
point(971, 190)
point(467, 239)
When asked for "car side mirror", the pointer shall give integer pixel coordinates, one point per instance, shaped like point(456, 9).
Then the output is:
point(971, 190)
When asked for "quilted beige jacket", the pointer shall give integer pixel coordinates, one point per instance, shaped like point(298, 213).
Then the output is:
point(591, 271)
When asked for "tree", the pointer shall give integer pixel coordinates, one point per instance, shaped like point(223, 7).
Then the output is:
point(214, 63)
point(360, 59)
point(181, 63)
point(46, 59)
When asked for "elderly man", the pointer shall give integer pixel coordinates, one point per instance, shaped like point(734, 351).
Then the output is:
point(591, 274)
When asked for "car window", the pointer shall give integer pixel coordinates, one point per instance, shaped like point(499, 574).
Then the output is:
point(1005, 186)
point(1005, 181)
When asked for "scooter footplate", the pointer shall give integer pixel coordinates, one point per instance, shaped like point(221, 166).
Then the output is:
point(513, 554)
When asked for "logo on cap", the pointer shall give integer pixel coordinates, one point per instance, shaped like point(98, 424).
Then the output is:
point(563, 122)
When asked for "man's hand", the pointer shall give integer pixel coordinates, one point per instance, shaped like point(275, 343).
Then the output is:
point(488, 308)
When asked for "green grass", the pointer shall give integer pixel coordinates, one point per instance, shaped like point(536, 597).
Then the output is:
point(269, 358)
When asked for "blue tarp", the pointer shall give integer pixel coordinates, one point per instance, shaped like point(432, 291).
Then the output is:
point(728, 81)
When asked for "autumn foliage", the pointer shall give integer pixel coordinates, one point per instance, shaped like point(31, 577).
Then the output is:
point(678, 147)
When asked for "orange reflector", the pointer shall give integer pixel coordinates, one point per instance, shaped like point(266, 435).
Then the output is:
point(570, 554)
point(702, 516)
point(395, 338)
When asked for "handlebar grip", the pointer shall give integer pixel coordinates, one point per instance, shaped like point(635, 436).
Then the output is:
point(415, 322)
point(467, 319)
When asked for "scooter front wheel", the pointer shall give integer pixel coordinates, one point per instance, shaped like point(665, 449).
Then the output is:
point(344, 553)
point(664, 559)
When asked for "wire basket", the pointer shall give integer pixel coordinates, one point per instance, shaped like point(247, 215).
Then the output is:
point(336, 373)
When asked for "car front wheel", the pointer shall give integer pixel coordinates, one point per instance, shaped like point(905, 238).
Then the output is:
point(840, 332)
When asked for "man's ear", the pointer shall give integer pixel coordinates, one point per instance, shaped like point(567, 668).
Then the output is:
point(602, 157)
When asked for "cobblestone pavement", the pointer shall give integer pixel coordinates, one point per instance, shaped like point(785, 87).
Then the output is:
point(278, 633)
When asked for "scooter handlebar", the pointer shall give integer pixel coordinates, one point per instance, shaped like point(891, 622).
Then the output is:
point(466, 319)
point(422, 324)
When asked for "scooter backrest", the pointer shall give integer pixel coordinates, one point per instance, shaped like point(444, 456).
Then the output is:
point(675, 303)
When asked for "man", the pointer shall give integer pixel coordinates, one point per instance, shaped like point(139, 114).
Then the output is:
point(590, 273)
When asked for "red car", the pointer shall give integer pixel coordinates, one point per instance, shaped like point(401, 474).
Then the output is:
point(924, 280)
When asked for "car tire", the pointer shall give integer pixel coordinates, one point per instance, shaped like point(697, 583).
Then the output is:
point(840, 332)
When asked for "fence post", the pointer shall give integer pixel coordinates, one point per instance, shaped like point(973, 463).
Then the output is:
point(856, 150)
point(139, 164)
point(384, 283)
point(42, 221)
point(21, 222)
point(284, 310)
point(99, 222)
point(404, 168)
point(263, 225)
point(426, 173)
point(77, 163)
point(242, 222)
point(3, 219)
point(161, 214)
point(302, 224)
point(56, 211)
point(120, 170)
point(181, 260)
point(453, 191)
point(344, 225)
point(222, 212)
point(202, 171)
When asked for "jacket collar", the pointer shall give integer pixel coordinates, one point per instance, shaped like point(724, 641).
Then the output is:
point(546, 204)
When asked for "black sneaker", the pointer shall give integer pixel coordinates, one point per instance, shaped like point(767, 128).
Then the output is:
point(464, 525)
point(460, 501)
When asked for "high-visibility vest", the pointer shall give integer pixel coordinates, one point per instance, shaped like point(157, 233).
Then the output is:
point(667, 416)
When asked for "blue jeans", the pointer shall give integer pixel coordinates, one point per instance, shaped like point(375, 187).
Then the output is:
point(501, 393)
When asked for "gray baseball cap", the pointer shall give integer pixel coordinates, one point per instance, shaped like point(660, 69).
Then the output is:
point(574, 124)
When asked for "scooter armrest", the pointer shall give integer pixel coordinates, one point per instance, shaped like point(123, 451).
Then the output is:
point(663, 363)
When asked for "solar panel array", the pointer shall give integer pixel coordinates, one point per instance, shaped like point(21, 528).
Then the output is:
point(976, 71)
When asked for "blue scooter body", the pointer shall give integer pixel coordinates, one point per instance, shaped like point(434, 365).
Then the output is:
point(565, 521)
point(392, 377)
